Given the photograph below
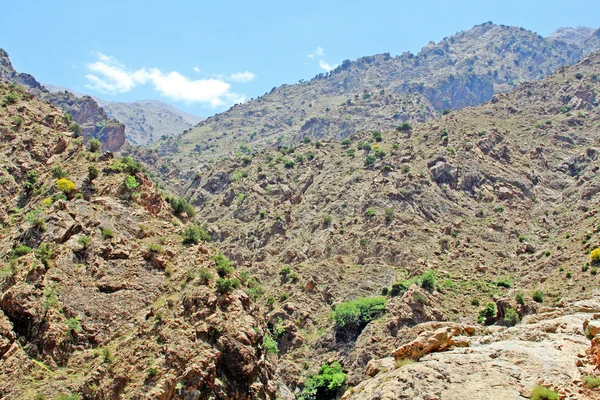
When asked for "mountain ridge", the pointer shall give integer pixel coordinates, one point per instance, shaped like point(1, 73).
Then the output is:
point(375, 93)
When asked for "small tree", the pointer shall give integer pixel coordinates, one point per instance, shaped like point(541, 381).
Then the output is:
point(95, 145)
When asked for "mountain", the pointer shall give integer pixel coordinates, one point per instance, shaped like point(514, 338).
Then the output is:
point(99, 296)
point(577, 36)
point(145, 120)
point(149, 120)
point(90, 119)
point(380, 92)
point(495, 200)
point(451, 258)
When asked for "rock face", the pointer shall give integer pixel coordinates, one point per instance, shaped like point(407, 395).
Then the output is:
point(380, 92)
point(93, 119)
point(98, 295)
point(505, 363)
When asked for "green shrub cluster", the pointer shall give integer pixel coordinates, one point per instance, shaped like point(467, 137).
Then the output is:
point(488, 314)
point(125, 164)
point(325, 384)
point(194, 234)
point(359, 312)
point(94, 145)
point(226, 285)
point(270, 345)
point(222, 264)
point(181, 206)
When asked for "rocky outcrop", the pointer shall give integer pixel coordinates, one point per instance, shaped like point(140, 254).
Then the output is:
point(502, 363)
point(93, 119)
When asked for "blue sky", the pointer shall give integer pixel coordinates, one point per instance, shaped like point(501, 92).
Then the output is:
point(203, 56)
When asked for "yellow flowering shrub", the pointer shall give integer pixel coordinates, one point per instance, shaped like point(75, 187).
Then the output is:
point(65, 185)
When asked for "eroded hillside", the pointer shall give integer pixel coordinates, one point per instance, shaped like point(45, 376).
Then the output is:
point(496, 200)
point(99, 295)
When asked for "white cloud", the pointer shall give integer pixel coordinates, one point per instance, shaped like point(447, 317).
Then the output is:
point(245, 76)
point(326, 66)
point(110, 76)
point(319, 52)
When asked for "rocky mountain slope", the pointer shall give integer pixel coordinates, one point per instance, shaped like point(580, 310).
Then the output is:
point(145, 120)
point(99, 297)
point(496, 200)
point(380, 92)
point(91, 121)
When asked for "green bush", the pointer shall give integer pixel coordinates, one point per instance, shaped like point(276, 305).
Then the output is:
point(511, 318)
point(92, 173)
point(404, 127)
point(389, 214)
point(542, 393)
point(125, 164)
point(75, 128)
point(428, 280)
point(10, 98)
point(325, 384)
point(504, 282)
point(57, 172)
point(181, 205)
point(84, 241)
point(74, 325)
point(107, 233)
point(370, 213)
point(195, 234)
point(222, 264)
point(36, 219)
point(270, 345)
point(21, 250)
point(226, 285)
point(520, 298)
point(131, 183)
point(95, 145)
point(488, 313)
point(359, 312)
point(31, 179)
point(398, 288)
point(370, 161)
point(591, 381)
point(289, 164)
point(538, 296)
